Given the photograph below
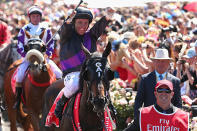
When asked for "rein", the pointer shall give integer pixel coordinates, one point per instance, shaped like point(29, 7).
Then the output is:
point(40, 84)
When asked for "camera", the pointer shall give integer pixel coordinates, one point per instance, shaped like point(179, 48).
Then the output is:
point(182, 61)
point(171, 28)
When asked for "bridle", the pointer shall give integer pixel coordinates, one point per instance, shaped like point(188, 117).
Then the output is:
point(99, 69)
point(41, 66)
point(99, 75)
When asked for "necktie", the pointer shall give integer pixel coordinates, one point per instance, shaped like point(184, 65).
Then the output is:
point(160, 77)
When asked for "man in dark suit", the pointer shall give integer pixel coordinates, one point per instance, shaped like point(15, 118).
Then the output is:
point(145, 94)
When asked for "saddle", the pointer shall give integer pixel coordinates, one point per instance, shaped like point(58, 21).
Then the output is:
point(13, 85)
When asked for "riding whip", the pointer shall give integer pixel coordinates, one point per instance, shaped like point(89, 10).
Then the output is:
point(81, 1)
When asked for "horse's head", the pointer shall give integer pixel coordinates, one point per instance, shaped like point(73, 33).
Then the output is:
point(97, 75)
point(35, 49)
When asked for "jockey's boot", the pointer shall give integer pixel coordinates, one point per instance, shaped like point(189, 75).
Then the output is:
point(60, 106)
point(18, 97)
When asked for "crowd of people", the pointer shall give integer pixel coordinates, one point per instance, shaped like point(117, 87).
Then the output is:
point(150, 43)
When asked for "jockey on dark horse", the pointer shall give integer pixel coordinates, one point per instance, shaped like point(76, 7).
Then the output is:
point(33, 29)
point(74, 33)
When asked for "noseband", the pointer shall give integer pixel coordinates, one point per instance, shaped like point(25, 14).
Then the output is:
point(40, 66)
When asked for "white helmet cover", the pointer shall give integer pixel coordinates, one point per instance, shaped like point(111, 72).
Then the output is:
point(34, 10)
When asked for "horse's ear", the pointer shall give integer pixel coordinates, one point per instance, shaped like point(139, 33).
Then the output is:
point(85, 50)
point(107, 50)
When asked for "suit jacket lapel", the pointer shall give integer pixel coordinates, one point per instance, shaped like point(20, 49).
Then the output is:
point(154, 78)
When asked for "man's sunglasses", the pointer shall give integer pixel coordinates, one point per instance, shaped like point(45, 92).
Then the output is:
point(163, 90)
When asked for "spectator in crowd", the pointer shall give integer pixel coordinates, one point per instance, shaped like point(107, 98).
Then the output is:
point(179, 49)
point(119, 60)
point(5, 35)
point(74, 33)
point(148, 51)
point(136, 52)
point(148, 81)
point(190, 72)
point(33, 30)
point(162, 114)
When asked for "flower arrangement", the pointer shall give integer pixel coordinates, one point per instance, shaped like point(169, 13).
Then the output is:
point(123, 100)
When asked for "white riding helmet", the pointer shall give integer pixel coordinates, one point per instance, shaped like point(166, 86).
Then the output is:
point(34, 10)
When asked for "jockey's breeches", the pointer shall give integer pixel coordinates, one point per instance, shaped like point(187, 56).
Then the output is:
point(21, 71)
point(71, 84)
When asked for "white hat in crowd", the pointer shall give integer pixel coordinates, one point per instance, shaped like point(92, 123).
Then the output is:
point(161, 54)
point(128, 35)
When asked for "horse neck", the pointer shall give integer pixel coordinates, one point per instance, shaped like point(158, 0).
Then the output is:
point(84, 99)
point(87, 116)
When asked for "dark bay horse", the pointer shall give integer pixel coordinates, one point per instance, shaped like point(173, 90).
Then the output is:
point(8, 55)
point(94, 82)
point(37, 79)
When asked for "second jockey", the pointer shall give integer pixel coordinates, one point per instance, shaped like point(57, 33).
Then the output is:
point(34, 28)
